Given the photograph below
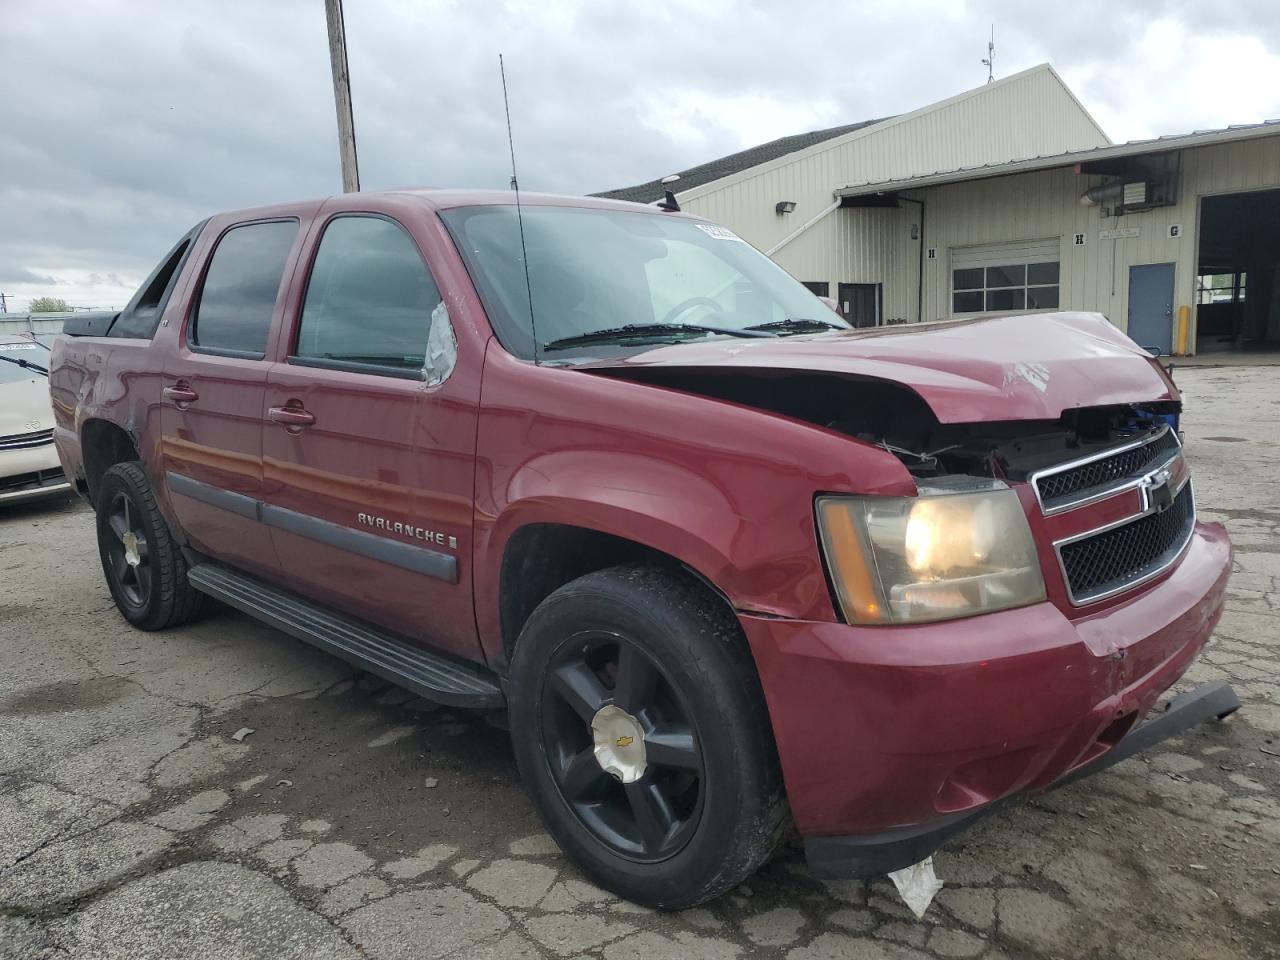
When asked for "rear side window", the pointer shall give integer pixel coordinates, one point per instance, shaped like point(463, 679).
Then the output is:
point(141, 317)
point(369, 299)
point(240, 288)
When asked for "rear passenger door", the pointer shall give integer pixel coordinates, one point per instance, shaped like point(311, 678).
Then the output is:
point(213, 393)
point(369, 442)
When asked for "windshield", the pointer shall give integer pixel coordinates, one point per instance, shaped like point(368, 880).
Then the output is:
point(12, 350)
point(593, 269)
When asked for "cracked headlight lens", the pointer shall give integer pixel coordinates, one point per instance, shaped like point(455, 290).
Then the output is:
point(960, 548)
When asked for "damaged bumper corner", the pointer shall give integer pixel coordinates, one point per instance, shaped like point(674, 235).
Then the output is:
point(871, 855)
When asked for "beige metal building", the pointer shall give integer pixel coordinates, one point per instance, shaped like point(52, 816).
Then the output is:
point(1010, 198)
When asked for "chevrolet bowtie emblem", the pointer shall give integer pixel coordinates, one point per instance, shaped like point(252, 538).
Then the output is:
point(625, 741)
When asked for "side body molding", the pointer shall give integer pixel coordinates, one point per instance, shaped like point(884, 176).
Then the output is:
point(432, 563)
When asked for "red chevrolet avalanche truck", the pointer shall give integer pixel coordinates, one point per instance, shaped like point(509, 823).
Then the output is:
point(729, 565)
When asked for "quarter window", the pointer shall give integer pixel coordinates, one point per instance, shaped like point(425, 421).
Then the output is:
point(241, 286)
point(370, 297)
point(142, 316)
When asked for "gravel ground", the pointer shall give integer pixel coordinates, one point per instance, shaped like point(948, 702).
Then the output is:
point(356, 820)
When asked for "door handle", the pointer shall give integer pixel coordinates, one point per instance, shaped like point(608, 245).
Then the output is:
point(180, 393)
point(291, 416)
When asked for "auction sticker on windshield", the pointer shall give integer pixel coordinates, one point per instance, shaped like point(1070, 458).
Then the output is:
point(720, 233)
point(17, 346)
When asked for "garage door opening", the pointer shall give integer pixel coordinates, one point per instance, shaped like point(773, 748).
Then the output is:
point(1238, 272)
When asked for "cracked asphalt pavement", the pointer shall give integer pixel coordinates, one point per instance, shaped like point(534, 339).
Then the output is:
point(358, 821)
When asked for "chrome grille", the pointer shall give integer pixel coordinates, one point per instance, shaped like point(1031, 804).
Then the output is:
point(20, 441)
point(1062, 487)
point(1113, 560)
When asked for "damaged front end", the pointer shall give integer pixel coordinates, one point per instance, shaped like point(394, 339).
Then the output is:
point(897, 418)
point(1104, 490)
point(1008, 627)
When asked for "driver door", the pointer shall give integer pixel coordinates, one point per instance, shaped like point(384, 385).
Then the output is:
point(368, 462)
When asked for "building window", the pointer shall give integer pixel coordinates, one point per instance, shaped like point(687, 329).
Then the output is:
point(1011, 286)
point(1220, 288)
point(819, 288)
point(1006, 277)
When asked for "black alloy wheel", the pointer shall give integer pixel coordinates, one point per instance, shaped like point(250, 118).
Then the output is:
point(622, 746)
point(129, 554)
point(642, 735)
point(145, 569)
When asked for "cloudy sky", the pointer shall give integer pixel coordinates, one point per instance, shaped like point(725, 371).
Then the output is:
point(123, 123)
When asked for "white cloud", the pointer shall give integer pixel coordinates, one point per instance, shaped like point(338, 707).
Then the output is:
point(158, 114)
point(1176, 79)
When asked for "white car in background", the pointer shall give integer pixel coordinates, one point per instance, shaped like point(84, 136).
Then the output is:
point(29, 466)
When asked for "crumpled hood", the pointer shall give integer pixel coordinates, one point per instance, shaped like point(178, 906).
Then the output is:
point(1028, 367)
point(25, 407)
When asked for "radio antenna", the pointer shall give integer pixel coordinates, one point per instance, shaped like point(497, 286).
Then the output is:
point(515, 185)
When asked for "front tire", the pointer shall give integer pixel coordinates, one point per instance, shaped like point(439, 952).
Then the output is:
point(642, 736)
point(145, 570)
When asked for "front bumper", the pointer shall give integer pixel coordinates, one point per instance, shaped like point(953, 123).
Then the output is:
point(892, 739)
point(872, 855)
point(31, 472)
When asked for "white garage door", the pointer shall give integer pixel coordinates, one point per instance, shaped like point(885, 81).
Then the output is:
point(1006, 277)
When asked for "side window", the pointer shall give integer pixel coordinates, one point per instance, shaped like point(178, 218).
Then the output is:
point(142, 316)
point(240, 287)
point(370, 299)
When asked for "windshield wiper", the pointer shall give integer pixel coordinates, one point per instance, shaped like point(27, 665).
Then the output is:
point(799, 325)
point(635, 330)
point(25, 363)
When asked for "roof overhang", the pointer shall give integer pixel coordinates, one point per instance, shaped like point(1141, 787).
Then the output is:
point(1081, 159)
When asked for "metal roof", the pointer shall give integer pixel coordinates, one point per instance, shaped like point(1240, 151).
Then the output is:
point(1134, 148)
point(733, 163)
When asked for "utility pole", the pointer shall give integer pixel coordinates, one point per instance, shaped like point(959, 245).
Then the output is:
point(990, 62)
point(342, 96)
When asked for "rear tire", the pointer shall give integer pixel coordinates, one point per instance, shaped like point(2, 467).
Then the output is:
point(145, 570)
point(645, 673)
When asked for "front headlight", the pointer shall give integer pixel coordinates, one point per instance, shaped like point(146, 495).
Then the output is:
point(962, 547)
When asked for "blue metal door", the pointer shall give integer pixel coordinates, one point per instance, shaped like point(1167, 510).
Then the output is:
point(1151, 306)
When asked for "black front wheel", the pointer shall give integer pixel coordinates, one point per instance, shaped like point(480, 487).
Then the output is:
point(642, 735)
point(145, 570)
point(622, 746)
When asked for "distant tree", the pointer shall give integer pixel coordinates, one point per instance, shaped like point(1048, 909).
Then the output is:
point(49, 305)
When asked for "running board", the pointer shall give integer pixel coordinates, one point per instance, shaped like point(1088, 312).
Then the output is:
point(430, 675)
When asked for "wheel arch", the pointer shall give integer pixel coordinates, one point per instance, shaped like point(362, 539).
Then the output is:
point(103, 444)
point(539, 557)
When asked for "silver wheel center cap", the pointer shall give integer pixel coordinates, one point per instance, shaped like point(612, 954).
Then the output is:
point(130, 541)
point(619, 743)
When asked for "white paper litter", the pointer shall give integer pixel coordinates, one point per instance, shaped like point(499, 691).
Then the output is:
point(240, 734)
point(917, 884)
